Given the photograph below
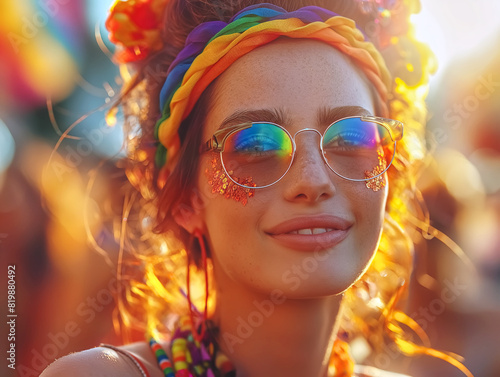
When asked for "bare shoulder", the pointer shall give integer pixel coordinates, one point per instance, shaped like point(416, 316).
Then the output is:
point(123, 361)
point(368, 371)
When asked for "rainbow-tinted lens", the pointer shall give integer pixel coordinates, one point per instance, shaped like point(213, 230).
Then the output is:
point(352, 147)
point(261, 152)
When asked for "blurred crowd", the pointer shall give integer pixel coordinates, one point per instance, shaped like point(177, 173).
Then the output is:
point(58, 173)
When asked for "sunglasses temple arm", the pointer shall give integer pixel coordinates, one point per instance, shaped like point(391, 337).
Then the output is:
point(395, 126)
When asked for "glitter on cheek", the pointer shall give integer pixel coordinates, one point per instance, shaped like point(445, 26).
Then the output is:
point(379, 182)
point(223, 185)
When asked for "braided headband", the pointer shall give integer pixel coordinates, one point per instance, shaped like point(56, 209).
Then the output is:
point(213, 46)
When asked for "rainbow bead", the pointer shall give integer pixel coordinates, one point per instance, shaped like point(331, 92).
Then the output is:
point(190, 358)
point(183, 373)
point(162, 358)
point(223, 364)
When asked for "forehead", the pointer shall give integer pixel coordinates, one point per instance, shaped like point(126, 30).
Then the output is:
point(296, 77)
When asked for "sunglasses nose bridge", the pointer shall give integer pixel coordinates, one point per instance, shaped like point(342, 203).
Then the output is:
point(305, 130)
point(294, 138)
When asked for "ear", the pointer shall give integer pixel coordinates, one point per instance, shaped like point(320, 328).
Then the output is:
point(189, 217)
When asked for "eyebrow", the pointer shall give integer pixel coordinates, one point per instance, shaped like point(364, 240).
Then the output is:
point(277, 116)
point(325, 116)
point(328, 115)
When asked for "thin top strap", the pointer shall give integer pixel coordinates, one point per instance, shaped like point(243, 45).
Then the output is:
point(138, 363)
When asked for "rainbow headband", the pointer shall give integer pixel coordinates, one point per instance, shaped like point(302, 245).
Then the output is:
point(213, 46)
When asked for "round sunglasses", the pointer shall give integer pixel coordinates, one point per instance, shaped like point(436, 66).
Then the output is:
point(259, 154)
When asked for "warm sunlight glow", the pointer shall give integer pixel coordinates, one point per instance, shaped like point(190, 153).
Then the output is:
point(456, 28)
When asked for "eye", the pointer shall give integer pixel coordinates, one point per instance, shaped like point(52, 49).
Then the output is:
point(261, 139)
point(255, 143)
point(351, 139)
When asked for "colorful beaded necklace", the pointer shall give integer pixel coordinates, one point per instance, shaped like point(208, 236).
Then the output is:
point(191, 358)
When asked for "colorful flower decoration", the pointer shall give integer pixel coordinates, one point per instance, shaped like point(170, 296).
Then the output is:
point(390, 18)
point(135, 25)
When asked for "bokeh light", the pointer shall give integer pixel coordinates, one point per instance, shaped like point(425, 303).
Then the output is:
point(456, 28)
point(7, 147)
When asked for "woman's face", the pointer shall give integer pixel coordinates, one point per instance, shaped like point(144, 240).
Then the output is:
point(259, 245)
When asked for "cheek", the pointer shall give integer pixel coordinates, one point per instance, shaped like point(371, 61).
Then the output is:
point(230, 214)
point(229, 232)
point(367, 202)
point(379, 182)
point(221, 184)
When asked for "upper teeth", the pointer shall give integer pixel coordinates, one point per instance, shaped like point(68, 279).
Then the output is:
point(312, 231)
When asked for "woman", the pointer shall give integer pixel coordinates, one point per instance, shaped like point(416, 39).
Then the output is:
point(282, 172)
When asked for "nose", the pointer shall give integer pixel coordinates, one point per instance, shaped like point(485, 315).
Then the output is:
point(309, 178)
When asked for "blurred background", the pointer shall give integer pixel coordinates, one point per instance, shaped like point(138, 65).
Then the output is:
point(55, 70)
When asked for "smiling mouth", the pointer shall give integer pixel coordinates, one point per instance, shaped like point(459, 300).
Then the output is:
point(311, 231)
point(311, 239)
point(310, 225)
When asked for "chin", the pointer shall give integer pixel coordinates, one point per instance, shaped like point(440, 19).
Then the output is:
point(316, 287)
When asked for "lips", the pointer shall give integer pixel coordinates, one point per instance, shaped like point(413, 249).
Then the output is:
point(311, 233)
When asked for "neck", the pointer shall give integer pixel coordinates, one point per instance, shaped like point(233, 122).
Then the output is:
point(271, 335)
